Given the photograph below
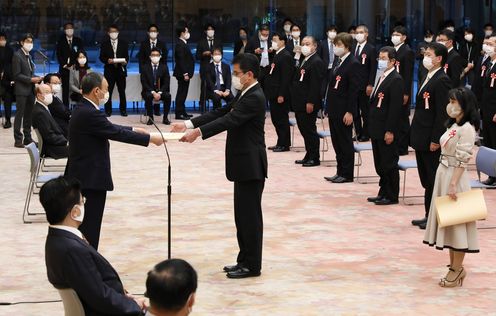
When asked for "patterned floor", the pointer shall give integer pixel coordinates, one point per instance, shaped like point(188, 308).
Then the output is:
point(326, 250)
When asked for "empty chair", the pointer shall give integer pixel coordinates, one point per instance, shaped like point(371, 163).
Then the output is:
point(404, 165)
point(485, 163)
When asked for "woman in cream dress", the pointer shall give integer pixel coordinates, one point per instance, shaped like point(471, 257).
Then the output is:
point(451, 178)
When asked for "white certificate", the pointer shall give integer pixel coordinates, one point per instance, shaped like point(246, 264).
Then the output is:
point(169, 136)
point(119, 60)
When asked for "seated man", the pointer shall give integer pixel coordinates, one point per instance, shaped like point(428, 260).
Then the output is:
point(54, 141)
point(218, 80)
point(72, 263)
point(60, 111)
point(171, 288)
point(155, 82)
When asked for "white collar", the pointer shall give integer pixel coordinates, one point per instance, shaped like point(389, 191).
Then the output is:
point(387, 72)
point(27, 54)
point(96, 106)
point(308, 57)
point(114, 40)
point(155, 64)
point(249, 87)
point(70, 229)
point(345, 56)
point(362, 45)
point(280, 49)
point(217, 64)
point(182, 39)
point(450, 49)
point(69, 38)
point(398, 47)
point(433, 72)
point(43, 104)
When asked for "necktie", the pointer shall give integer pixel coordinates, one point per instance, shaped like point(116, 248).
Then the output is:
point(357, 52)
point(30, 63)
point(264, 62)
point(70, 43)
point(153, 45)
point(155, 74)
point(114, 48)
point(427, 78)
point(210, 44)
point(490, 68)
point(338, 63)
point(378, 84)
point(331, 54)
point(217, 77)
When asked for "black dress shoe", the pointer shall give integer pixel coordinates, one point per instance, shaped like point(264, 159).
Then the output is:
point(423, 225)
point(300, 162)
point(232, 268)
point(18, 145)
point(123, 113)
point(166, 121)
point(281, 149)
point(272, 147)
point(7, 125)
point(150, 122)
point(311, 163)
point(417, 222)
point(489, 181)
point(385, 201)
point(341, 180)
point(156, 113)
point(29, 141)
point(188, 115)
point(182, 117)
point(363, 139)
point(109, 114)
point(242, 273)
point(331, 178)
point(374, 199)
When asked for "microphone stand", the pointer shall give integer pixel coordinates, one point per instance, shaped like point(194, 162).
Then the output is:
point(169, 191)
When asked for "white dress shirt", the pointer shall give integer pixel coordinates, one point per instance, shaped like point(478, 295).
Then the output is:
point(70, 229)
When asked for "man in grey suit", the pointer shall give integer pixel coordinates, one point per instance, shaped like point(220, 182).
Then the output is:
point(24, 78)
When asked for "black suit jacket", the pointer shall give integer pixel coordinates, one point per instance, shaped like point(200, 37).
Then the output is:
point(454, 67)
point(405, 57)
point(479, 76)
point(368, 65)
point(68, 53)
point(22, 73)
point(201, 47)
point(185, 62)
point(211, 76)
point(290, 45)
point(148, 84)
point(54, 141)
point(384, 117)
point(278, 81)
point(323, 51)
point(428, 123)
point(237, 47)
point(244, 121)
point(344, 98)
point(107, 52)
point(146, 48)
point(307, 88)
point(73, 263)
point(61, 114)
point(254, 43)
point(6, 54)
point(470, 51)
point(89, 149)
point(488, 104)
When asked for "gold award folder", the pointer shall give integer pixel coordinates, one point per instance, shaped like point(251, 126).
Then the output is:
point(470, 206)
point(170, 136)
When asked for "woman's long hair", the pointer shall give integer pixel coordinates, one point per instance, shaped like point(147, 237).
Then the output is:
point(468, 102)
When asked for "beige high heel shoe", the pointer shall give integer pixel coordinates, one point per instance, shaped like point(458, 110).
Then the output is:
point(458, 281)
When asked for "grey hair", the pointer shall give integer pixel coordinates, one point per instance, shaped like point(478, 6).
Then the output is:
point(91, 81)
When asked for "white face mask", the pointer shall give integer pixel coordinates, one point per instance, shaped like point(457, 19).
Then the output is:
point(69, 32)
point(47, 99)
point(3, 43)
point(236, 83)
point(488, 49)
point(210, 33)
point(428, 39)
point(339, 51)
point(296, 34)
point(27, 47)
point(264, 38)
point(105, 99)
point(217, 58)
point(114, 35)
point(56, 88)
point(155, 59)
point(488, 32)
point(360, 37)
point(306, 50)
point(275, 46)
point(396, 40)
point(82, 61)
point(153, 35)
point(444, 43)
point(80, 217)
point(469, 37)
point(427, 62)
point(187, 36)
point(287, 28)
point(453, 110)
point(331, 35)
point(382, 64)
point(451, 28)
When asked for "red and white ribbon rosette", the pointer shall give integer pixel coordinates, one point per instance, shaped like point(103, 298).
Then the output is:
point(426, 99)
point(451, 134)
point(493, 76)
point(483, 72)
point(338, 79)
point(272, 68)
point(397, 65)
point(446, 68)
point(364, 57)
point(302, 74)
point(380, 96)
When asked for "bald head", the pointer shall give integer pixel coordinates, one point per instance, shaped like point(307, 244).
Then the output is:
point(43, 88)
point(44, 93)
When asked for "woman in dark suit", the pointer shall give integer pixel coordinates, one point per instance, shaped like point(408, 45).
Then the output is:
point(81, 68)
point(239, 46)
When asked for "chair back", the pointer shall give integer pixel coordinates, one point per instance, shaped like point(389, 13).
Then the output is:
point(34, 156)
point(72, 303)
point(486, 161)
point(40, 140)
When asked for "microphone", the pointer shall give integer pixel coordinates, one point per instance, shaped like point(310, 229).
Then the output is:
point(169, 190)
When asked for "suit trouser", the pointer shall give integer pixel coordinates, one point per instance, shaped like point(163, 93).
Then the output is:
point(427, 163)
point(280, 118)
point(151, 107)
point(203, 88)
point(116, 77)
point(264, 72)
point(93, 215)
point(342, 142)
point(249, 222)
point(7, 97)
point(308, 129)
point(361, 120)
point(404, 129)
point(386, 165)
point(181, 95)
point(24, 110)
point(217, 99)
point(489, 132)
point(65, 76)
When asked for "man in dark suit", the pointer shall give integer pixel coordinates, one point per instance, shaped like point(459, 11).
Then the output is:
point(6, 80)
point(293, 46)
point(261, 46)
point(24, 78)
point(218, 78)
point(480, 69)
point(150, 43)
point(488, 104)
point(54, 140)
point(204, 51)
point(404, 66)
point(428, 121)
point(183, 71)
point(342, 98)
point(277, 84)
point(246, 159)
point(89, 157)
point(455, 63)
point(72, 263)
point(115, 56)
point(59, 111)
point(366, 55)
point(306, 99)
point(385, 110)
point(326, 53)
point(67, 47)
point(155, 83)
